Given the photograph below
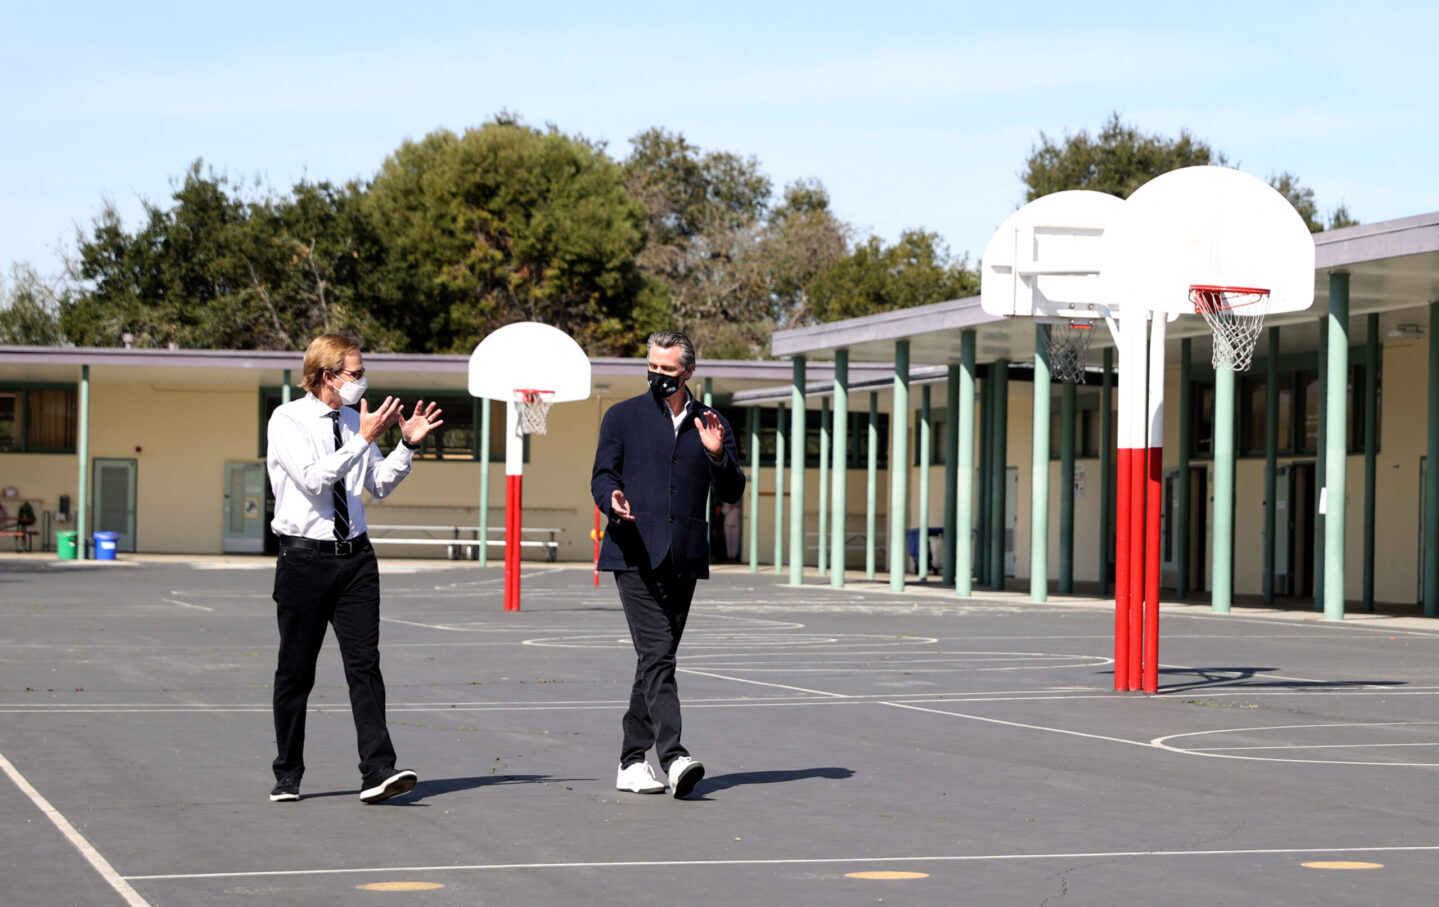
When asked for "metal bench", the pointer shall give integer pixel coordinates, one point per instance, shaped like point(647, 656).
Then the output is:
point(468, 543)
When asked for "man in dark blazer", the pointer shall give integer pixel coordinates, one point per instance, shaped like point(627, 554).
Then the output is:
point(659, 455)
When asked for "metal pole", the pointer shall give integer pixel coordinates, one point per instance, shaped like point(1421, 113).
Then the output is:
point(840, 475)
point(921, 519)
point(821, 542)
point(899, 466)
point(1223, 555)
point(1430, 553)
point(1271, 459)
point(82, 499)
point(1336, 481)
point(1106, 473)
point(962, 541)
point(1182, 580)
point(779, 489)
point(998, 474)
point(752, 417)
point(483, 535)
point(1066, 487)
point(986, 441)
point(797, 450)
point(1321, 468)
point(871, 487)
point(1039, 472)
point(951, 467)
point(1371, 449)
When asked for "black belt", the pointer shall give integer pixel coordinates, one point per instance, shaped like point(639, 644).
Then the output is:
point(334, 547)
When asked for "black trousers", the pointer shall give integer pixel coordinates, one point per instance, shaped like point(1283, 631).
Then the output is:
point(313, 589)
point(656, 605)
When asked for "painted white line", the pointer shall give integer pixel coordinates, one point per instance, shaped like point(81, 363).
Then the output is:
point(1309, 746)
point(176, 601)
point(92, 856)
point(1029, 727)
point(1163, 743)
point(798, 861)
point(760, 683)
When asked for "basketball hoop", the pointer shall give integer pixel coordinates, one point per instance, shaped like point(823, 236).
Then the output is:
point(1236, 316)
point(531, 409)
point(1068, 346)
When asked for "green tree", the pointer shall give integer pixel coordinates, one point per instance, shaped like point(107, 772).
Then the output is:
point(917, 270)
point(1302, 198)
point(506, 223)
point(705, 215)
point(30, 312)
point(1118, 161)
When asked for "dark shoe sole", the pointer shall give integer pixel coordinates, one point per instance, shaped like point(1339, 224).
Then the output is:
point(398, 783)
point(685, 783)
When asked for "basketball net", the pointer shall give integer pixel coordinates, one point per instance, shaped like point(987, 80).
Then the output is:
point(1236, 316)
point(1068, 346)
point(532, 407)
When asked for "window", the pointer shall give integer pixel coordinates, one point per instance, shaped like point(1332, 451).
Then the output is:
point(38, 419)
point(856, 440)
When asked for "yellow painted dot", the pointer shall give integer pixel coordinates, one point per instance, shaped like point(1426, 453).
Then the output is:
point(886, 874)
point(1342, 864)
point(400, 886)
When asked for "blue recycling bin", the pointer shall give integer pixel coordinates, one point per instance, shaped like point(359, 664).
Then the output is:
point(911, 539)
point(105, 545)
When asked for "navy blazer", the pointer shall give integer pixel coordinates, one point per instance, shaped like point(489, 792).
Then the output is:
point(665, 476)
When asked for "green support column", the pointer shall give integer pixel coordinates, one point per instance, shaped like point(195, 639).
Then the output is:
point(1106, 473)
point(1066, 489)
point(1182, 583)
point(779, 489)
point(1371, 450)
point(986, 485)
point(285, 389)
point(962, 541)
point(1336, 456)
point(899, 466)
point(82, 430)
point(1223, 555)
point(921, 518)
point(484, 521)
point(871, 488)
point(821, 542)
point(1039, 472)
point(998, 473)
point(752, 418)
point(1321, 460)
point(796, 475)
point(1271, 459)
point(839, 474)
point(1431, 475)
point(951, 466)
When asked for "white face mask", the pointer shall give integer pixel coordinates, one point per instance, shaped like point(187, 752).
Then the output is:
point(352, 391)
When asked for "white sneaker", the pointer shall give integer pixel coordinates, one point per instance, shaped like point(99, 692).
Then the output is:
point(685, 773)
point(639, 779)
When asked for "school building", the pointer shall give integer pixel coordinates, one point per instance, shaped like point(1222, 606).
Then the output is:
point(166, 448)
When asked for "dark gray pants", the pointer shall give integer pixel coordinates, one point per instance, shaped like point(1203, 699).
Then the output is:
point(656, 605)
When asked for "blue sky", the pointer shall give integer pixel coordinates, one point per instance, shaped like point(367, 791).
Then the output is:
point(913, 114)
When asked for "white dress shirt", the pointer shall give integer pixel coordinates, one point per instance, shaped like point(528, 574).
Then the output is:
point(304, 466)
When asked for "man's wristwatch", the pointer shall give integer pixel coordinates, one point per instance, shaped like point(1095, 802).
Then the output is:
point(409, 445)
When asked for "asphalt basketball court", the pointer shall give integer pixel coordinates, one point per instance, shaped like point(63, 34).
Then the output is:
point(861, 746)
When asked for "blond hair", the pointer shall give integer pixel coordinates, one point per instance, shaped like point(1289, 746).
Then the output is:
point(326, 353)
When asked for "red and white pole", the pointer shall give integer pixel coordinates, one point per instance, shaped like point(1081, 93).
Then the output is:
point(1129, 516)
point(1154, 499)
point(597, 535)
point(514, 504)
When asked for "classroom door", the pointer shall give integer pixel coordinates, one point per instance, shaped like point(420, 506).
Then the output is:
point(114, 507)
point(244, 508)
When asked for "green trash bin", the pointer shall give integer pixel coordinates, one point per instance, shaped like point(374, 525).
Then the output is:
point(66, 544)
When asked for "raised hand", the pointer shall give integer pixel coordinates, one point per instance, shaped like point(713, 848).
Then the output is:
point(374, 424)
point(421, 421)
point(711, 431)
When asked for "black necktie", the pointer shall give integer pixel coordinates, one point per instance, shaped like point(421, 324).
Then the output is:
point(337, 491)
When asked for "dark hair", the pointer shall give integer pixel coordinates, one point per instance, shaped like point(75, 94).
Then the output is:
point(667, 340)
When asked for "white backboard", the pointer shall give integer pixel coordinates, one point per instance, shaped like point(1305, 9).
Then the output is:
point(1044, 260)
point(529, 355)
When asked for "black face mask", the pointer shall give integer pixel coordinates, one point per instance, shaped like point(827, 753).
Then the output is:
point(662, 385)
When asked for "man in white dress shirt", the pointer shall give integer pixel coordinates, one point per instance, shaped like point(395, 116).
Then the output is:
point(322, 455)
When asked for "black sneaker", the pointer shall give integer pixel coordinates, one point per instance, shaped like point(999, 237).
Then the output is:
point(285, 789)
point(399, 782)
